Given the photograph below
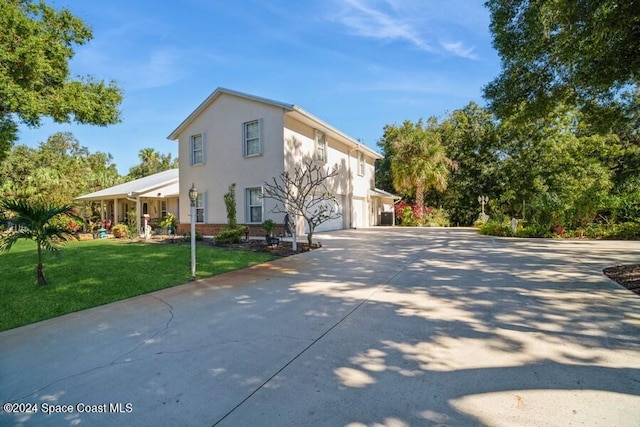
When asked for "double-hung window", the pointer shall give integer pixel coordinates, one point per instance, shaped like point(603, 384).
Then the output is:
point(197, 149)
point(200, 208)
point(360, 163)
point(321, 146)
point(254, 205)
point(163, 208)
point(252, 145)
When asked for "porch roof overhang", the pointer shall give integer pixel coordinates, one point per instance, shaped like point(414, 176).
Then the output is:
point(159, 185)
point(376, 192)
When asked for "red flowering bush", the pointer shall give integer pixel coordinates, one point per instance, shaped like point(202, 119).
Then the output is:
point(411, 214)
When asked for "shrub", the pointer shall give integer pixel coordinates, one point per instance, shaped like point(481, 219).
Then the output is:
point(620, 231)
point(120, 230)
point(410, 215)
point(187, 237)
point(436, 218)
point(231, 235)
point(496, 228)
point(534, 230)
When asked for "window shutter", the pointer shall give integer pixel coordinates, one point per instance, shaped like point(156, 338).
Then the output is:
point(191, 150)
point(205, 207)
point(204, 148)
point(261, 133)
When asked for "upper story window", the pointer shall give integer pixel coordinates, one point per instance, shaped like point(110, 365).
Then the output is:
point(361, 163)
point(321, 146)
point(197, 149)
point(252, 145)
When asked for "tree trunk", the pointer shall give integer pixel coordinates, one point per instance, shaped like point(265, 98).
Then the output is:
point(420, 199)
point(310, 234)
point(42, 281)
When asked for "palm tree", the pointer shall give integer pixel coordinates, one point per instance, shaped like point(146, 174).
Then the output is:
point(419, 161)
point(37, 221)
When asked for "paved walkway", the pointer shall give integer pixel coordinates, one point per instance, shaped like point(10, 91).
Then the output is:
point(380, 327)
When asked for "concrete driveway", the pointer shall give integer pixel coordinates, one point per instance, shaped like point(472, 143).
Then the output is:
point(380, 327)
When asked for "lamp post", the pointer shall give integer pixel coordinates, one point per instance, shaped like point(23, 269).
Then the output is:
point(483, 200)
point(193, 196)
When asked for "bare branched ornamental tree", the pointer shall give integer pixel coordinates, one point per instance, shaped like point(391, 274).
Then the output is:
point(305, 193)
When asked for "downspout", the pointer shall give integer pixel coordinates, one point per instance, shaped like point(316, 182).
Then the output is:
point(350, 188)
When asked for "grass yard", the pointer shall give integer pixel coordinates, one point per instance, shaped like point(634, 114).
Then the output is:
point(91, 273)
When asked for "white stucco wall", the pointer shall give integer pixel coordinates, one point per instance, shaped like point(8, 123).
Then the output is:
point(287, 137)
point(300, 142)
point(223, 127)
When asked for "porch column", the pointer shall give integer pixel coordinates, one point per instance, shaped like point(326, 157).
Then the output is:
point(138, 215)
point(102, 210)
point(115, 211)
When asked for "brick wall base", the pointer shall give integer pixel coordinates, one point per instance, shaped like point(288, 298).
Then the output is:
point(255, 230)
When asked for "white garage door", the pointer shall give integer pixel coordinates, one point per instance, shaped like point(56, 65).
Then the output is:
point(359, 213)
point(332, 224)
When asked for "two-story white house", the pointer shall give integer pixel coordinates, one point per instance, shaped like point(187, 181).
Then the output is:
point(233, 137)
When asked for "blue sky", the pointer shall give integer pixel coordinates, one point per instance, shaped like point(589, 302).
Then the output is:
point(356, 64)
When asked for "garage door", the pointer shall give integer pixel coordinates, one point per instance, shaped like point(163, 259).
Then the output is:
point(359, 213)
point(332, 224)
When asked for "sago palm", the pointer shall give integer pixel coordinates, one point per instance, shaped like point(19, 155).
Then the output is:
point(38, 221)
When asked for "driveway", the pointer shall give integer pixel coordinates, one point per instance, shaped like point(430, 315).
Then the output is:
point(380, 327)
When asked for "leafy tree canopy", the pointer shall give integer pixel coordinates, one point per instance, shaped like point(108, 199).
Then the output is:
point(56, 171)
point(151, 161)
point(418, 160)
point(36, 45)
point(582, 53)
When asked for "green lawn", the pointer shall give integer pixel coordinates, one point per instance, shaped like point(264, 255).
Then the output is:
point(95, 272)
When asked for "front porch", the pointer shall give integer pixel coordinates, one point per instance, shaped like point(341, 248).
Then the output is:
point(150, 198)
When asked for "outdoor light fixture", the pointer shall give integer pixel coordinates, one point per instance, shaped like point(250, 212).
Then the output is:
point(193, 196)
point(483, 200)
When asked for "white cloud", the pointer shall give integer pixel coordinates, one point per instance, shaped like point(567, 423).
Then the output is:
point(416, 23)
point(161, 67)
point(370, 22)
point(459, 49)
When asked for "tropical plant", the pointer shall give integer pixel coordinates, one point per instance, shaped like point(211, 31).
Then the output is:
point(40, 222)
point(269, 226)
point(169, 223)
point(151, 161)
point(418, 162)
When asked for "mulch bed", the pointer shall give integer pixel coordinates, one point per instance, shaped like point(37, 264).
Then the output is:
point(283, 249)
point(626, 275)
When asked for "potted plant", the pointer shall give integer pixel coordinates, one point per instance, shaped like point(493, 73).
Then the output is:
point(269, 226)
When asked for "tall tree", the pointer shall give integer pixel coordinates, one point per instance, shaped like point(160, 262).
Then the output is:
point(36, 221)
point(419, 161)
point(471, 139)
point(56, 171)
point(561, 175)
point(151, 161)
point(36, 45)
point(582, 53)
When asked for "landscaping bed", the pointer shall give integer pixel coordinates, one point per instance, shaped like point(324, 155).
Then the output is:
point(625, 275)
